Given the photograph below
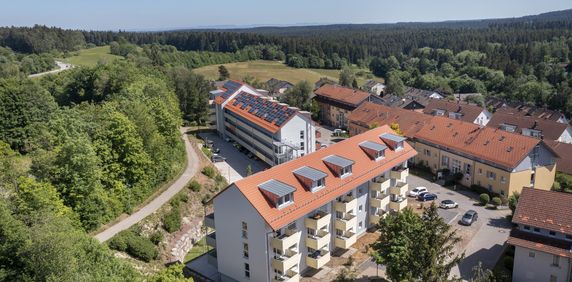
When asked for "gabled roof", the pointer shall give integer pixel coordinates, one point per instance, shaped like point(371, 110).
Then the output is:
point(342, 94)
point(370, 114)
point(493, 145)
point(277, 188)
point(310, 173)
point(338, 161)
point(540, 243)
point(550, 129)
point(305, 201)
point(544, 209)
point(520, 109)
point(266, 113)
point(564, 152)
point(469, 112)
point(373, 145)
point(274, 84)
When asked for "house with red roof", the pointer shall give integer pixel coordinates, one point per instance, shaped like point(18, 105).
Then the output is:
point(336, 103)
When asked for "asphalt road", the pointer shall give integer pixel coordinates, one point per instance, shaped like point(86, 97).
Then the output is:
point(61, 66)
point(155, 204)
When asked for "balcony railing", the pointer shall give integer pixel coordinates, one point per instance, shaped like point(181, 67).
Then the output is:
point(399, 189)
point(291, 275)
point(400, 173)
point(346, 204)
point(210, 221)
point(318, 259)
point(379, 200)
point(398, 203)
point(379, 184)
point(318, 220)
point(286, 261)
point(318, 240)
point(211, 239)
point(286, 240)
point(346, 240)
point(375, 217)
point(346, 222)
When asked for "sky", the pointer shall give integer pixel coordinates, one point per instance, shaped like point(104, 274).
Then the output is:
point(173, 14)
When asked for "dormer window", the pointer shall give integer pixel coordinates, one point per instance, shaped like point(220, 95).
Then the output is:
point(374, 150)
point(508, 127)
point(438, 112)
point(395, 142)
point(313, 179)
point(278, 193)
point(342, 167)
point(455, 115)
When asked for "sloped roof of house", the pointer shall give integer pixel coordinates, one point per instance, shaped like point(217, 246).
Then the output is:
point(274, 84)
point(550, 129)
point(469, 112)
point(342, 94)
point(520, 109)
point(368, 114)
point(305, 201)
point(540, 243)
point(564, 151)
point(493, 145)
point(544, 209)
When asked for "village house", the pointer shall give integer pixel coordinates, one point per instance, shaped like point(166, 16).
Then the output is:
point(532, 126)
point(457, 110)
point(336, 103)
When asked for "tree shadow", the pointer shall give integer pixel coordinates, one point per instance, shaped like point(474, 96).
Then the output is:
point(483, 255)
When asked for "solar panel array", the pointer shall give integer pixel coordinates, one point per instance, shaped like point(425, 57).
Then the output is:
point(266, 110)
point(231, 87)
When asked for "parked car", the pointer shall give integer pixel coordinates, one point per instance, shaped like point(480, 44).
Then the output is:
point(215, 150)
point(417, 191)
point(469, 217)
point(448, 204)
point(426, 197)
point(217, 158)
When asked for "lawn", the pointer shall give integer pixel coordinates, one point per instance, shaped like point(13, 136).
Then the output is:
point(265, 70)
point(90, 57)
point(198, 249)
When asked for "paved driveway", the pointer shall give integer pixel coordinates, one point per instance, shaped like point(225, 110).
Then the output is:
point(234, 168)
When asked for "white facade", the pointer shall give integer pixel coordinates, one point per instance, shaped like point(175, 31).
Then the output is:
point(566, 136)
point(483, 118)
point(532, 265)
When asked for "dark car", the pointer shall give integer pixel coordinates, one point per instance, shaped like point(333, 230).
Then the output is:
point(215, 150)
point(469, 217)
point(423, 197)
point(217, 158)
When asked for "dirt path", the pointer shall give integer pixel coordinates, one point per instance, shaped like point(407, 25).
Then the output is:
point(61, 66)
point(191, 169)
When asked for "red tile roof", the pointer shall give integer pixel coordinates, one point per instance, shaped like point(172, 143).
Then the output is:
point(544, 209)
point(564, 152)
point(363, 169)
point(550, 129)
point(368, 114)
point(469, 112)
point(489, 144)
point(540, 243)
point(342, 94)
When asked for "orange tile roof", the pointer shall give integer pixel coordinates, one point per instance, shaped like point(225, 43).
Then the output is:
point(544, 209)
point(493, 145)
point(342, 94)
point(364, 169)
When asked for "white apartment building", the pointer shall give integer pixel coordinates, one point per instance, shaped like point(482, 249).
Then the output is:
point(282, 222)
point(274, 132)
point(543, 236)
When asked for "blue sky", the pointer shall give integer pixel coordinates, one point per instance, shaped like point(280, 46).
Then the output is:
point(165, 14)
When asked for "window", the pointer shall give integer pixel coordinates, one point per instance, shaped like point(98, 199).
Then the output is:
point(360, 191)
point(339, 214)
point(360, 208)
point(532, 179)
point(445, 161)
point(302, 146)
point(245, 250)
point(553, 278)
point(346, 170)
point(526, 227)
point(456, 166)
point(319, 183)
point(380, 154)
point(286, 200)
point(555, 260)
point(301, 134)
point(537, 230)
point(503, 179)
point(339, 232)
point(468, 169)
point(531, 254)
point(568, 237)
point(552, 233)
point(244, 230)
point(360, 225)
point(480, 171)
point(427, 153)
point(247, 270)
point(491, 175)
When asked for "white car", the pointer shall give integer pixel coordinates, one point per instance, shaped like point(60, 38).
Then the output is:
point(448, 204)
point(417, 191)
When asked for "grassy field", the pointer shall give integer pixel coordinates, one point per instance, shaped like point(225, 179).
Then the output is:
point(90, 57)
point(265, 70)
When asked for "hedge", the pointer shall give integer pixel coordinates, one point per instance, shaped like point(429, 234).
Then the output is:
point(135, 245)
point(172, 220)
point(209, 171)
point(485, 199)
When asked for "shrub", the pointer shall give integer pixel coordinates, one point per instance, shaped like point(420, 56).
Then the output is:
point(156, 237)
point(135, 245)
point(508, 262)
point(172, 220)
point(207, 152)
point(485, 199)
point(458, 176)
point(209, 171)
point(504, 200)
point(195, 186)
point(496, 201)
point(205, 199)
point(119, 242)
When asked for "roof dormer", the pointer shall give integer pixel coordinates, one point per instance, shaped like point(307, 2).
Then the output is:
point(311, 178)
point(375, 151)
point(341, 166)
point(279, 193)
point(395, 142)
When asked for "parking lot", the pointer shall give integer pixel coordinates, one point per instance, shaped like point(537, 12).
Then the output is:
point(483, 240)
point(234, 168)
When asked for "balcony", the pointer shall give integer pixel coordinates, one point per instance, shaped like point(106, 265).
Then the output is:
point(379, 200)
point(319, 240)
point(345, 241)
point(209, 220)
point(286, 261)
point(318, 220)
point(212, 257)
point(290, 238)
point(399, 173)
point(398, 204)
point(346, 222)
point(380, 184)
point(291, 275)
point(346, 204)
point(211, 239)
point(374, 218)
point(399, 189)
point(318, 259)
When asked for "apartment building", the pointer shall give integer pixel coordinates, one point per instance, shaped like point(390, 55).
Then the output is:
point(370, 115)
point(274, 132)
point(542, 237)
point(279, 223)
point(336, 102)
point(500, 161)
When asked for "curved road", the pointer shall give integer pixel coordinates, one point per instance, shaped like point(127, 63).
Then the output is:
point(61, 66)
point(155, 204)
